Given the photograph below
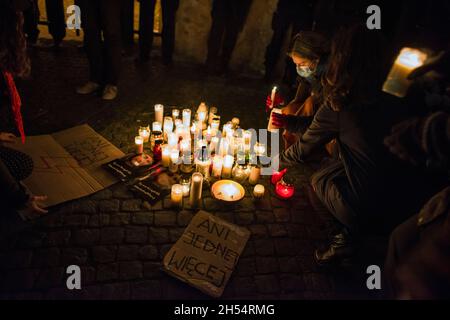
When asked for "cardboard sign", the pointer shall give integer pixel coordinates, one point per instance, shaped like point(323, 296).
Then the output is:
point(68, 164)
point(207, 253)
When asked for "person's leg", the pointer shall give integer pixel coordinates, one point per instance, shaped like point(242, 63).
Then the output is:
point(146, 20)
point(169, 11)
point(31, 21)
point(127, 22)
point(110, 17)
point(219, 14)
point(56, 20)
point(92, 29)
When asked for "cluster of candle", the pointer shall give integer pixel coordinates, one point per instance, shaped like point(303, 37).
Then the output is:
point(193, 142)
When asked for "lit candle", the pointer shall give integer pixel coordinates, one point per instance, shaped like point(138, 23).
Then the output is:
point(207, 134)
point(165, 155)
point(258, 191)
point(186, 183)
point(187, 118)
point(139, 141)
point(217, 166)
point(159, 113)
point(185, 146)
point(144, 132)
point(156, 126)
point(215, 123)
point(284, 190)
point(214, 144)
point(196, 189)
point(272, 97)
point(397, 82)
point(255, 173)
point(203, 163)
point(260, 149)
point(224, 146)
point(227, 166)
point(178, 123)
point(168, 125)
point(172, 140)
point(235, 121)
point(175, 114)
point(177, 195)
point(202, 117)
point(174, 157)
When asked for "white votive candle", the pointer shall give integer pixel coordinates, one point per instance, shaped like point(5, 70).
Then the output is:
point(214, 144)
point(144, 132)
point(172, 140)
point(156, 126)
point(177, 195)
point(258, 191)
point(139, 142)
point(196, 189)
point(174, 157)
point(159, 113)
point(175, 114)
point(228, 161)
point(217, 166)
point(168, 125)
point(165, 155)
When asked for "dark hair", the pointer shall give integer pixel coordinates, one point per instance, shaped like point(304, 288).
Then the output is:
point(13, 54)
point(355, 70)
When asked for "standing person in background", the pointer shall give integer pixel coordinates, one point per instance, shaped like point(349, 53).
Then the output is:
point(56, 20)
point(146, 19)
point(15, 166)
point(127, 21)
point(297, 14)
point(228, 18)
point(31, 21)
point(102, 17)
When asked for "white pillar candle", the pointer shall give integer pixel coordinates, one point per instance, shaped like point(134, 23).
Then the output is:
point(175, 114)
point(255, 173)
point(165, 154)
point(185, 146)
point(217, 166)
point(224, 146)
point(139, 142)
point(214, 144)
point(156, 126)
point(258, 191)
point(228, 162)
point(202, 118)
point(159, 113)
point(177, 195)
point(187, 118)
point(196, 189)
point(144, 132)
point(172, 140)
point(178, 123)
point(174, 157)
point(168, 125)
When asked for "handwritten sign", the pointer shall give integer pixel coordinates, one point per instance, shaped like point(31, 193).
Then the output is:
point(207, 253)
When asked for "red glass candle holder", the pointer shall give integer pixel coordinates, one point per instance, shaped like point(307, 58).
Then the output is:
point(277, 176)
point(284, 190)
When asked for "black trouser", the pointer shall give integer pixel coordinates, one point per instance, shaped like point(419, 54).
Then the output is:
point(228, 18)
point(56, 19)
point(146, 18)
point(31, 21)
point(103, 16)
point(127, 21)
point(299, 15)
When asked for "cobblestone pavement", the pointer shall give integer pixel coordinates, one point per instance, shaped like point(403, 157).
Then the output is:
point(119, 240)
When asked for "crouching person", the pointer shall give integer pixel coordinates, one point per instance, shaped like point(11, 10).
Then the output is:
point(350, 186)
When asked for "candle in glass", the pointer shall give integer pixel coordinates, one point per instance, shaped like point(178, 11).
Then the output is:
point(174, 157)
point(185, 146)
point(177, 195)
point(260, 149)
point(168, 125)
point(165, 155)
point(144, 132)
point(196, 189)
point(172, 140)
point(139, 142)
point(228, 162)
point(217, 166)
point(187, 118)
point(215, 124)
point(156, 126)
point(186, 183)
point(202, 118)
point(284, 190)
point(224, 146)
point(175, 114)
point(258, 191)
point(159, 113)
point(203, 163)
point(214, 144)
point(255, 173)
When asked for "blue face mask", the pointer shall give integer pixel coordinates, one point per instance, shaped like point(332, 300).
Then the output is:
point(304, 71)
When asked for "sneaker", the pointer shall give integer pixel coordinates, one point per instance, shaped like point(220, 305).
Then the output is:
point(88, 88)
point(110, 92)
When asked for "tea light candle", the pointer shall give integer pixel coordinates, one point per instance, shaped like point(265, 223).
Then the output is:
point(187, 118)
point(174, 157)
point(144, 132)
point(175, 114)
point(196, 189)
point(165, 155)
point(235, 121)
point(258, 191)
point(172, 140)
point(177, 195)
point(217, 166)
point(255, 173)
point(156, 126)
point(159, 113)
point(228, 162)
point(139, 142)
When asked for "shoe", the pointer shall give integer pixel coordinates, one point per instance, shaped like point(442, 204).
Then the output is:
point(88, 88)
point(110, 92)
point(339, 253)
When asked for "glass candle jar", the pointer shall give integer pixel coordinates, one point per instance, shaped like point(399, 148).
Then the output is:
point(240, 173)
point(284, 190)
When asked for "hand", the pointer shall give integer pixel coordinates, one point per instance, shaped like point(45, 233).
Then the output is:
point(33, 208)
point(6, 137)
point(279, 120)
point(278, 101)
